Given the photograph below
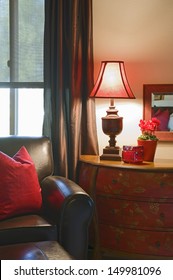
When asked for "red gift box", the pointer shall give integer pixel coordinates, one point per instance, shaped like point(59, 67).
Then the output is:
point(133, 154)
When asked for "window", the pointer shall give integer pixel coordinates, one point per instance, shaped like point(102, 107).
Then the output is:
point(21, 71)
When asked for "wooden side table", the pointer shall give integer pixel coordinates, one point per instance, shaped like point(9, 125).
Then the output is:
point(134, 207)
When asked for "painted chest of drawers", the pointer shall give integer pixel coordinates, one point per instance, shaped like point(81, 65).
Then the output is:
point(134, 207)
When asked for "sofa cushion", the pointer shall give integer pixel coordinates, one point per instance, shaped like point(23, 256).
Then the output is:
point(26, 228)
point(45, 250)
point(20, 191)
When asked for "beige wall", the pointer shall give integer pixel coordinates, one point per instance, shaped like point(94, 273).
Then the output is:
point(139, 32)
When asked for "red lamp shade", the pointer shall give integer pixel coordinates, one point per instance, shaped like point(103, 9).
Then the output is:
point(112, 81)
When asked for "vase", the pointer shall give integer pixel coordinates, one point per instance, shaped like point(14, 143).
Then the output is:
point(149, 149)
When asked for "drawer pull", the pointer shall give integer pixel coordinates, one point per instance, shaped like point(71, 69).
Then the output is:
point(162, 216)
point(114, 181)
point(157, 244)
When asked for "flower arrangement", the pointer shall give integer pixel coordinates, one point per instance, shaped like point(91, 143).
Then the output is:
point(148, 129)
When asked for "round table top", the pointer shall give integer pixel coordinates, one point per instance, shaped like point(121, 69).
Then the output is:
point(157, 165)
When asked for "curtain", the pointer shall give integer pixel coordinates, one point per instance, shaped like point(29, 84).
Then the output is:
point(68, 74)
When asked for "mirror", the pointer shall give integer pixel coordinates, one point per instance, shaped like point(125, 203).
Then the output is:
point(158, 102)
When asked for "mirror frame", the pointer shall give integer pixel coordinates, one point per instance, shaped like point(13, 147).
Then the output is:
point(148, 89)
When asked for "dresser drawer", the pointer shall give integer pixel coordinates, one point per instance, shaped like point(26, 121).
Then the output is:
point(87, 177)
point(136, 241)
point(135, 214)
point(133, 182)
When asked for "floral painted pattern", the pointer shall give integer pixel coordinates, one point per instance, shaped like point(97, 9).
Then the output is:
point(134, 209)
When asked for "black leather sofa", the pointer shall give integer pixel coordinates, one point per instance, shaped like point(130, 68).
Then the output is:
point(66, 222)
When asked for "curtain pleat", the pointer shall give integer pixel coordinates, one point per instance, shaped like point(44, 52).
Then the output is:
point(68, 74)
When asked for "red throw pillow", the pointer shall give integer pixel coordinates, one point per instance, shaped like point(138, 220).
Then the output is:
point(163, 117)
point(20, 191)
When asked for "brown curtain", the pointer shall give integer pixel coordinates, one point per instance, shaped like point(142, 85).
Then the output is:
point(68, 73)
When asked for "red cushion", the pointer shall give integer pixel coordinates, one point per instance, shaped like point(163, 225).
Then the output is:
point(20, 191)
point(163, 117)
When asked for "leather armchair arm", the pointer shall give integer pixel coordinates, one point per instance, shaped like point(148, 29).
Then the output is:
point(71, 208)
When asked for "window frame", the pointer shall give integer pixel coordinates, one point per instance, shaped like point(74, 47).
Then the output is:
point(12, 85)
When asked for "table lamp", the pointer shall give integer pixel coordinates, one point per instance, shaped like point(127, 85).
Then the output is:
point(112, 83)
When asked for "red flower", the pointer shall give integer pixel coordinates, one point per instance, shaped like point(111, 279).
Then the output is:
point(148, 128)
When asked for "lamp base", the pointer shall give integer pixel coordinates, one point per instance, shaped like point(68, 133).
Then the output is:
point(111, 153)
point(112, 125)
